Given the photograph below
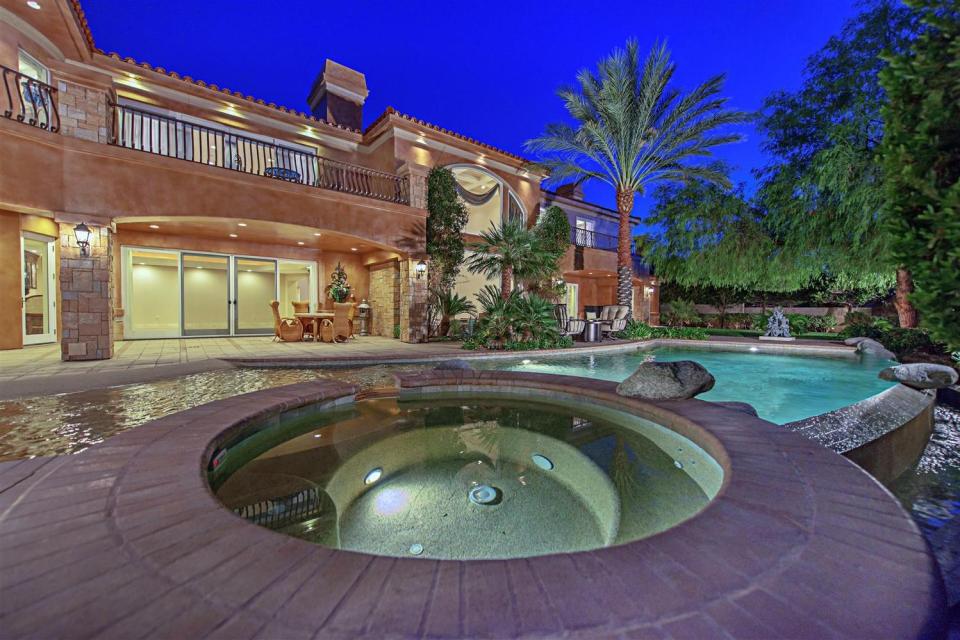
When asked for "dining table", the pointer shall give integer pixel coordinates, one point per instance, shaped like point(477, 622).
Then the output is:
point(312, 320)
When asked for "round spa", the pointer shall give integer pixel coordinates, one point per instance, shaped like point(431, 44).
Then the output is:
point(466, 477)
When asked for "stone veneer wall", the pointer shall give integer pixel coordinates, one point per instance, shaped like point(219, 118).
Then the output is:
point(86, 292)
point(83, 112)
point(384, 298)
point(413, 304)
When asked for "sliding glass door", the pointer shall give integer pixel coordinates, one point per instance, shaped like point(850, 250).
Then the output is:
point(255, 283)
point(205, 289)
point(168, 293)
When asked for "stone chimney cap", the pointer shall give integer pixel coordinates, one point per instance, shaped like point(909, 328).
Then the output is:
point(341, 81)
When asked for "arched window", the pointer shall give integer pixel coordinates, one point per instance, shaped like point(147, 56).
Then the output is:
point(514, 209)
point(483, 195)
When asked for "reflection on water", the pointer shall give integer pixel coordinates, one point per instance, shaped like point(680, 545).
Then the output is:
point(71, 422)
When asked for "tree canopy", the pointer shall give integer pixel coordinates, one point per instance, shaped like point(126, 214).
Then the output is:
point(446, 219)
point(921, 165)
point(632, 130)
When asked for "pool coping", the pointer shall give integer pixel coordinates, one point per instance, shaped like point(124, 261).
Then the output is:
point(126, 538)
point(720, 344)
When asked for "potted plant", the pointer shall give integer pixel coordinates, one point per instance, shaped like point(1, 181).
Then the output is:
point(338, 289)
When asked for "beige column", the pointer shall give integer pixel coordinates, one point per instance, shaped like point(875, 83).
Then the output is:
point(86, 294)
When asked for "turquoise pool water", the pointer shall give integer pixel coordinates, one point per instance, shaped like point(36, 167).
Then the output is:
point(781, 388)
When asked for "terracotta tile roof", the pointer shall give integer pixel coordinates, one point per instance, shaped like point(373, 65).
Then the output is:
point(83, 24)
point(427, 125)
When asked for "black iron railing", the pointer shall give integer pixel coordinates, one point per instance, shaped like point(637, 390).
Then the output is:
point(593, 239)
point(584, 238)
point(162, 135)
point(29, 101)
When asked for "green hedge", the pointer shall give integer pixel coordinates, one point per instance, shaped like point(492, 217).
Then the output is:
point(748, 333)
point(640, 331)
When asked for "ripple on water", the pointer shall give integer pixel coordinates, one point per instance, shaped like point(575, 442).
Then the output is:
point(72, 422)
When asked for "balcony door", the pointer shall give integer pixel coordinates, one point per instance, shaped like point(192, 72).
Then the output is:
point(585, 232)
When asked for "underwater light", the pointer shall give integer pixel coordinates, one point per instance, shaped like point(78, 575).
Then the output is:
point(542, 461)
point(373, 475)
point(525, 361)
point(754, 349)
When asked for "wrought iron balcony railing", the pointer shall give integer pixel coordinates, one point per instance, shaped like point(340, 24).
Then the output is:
point(593, 239)
point(165, 136)
point(29, 101)
point(584, 238)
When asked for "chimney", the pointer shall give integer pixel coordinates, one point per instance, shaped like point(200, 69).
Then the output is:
point(573, 190)
point(338, 95)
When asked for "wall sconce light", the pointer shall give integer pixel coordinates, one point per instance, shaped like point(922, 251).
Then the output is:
point(82, 234)
point(421, 269)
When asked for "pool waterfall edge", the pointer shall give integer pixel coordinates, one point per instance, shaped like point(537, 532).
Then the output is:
point(768, 545)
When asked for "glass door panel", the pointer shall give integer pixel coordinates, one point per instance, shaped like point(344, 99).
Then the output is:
point(256, 288)
point(205, 286)
point(39, 291)
point(151, 298)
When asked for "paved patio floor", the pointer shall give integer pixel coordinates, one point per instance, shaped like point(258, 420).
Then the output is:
point(38, 369)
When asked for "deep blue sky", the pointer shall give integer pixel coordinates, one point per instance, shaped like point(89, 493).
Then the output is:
point(486, 69)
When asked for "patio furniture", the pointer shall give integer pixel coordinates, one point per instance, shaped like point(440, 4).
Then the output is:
point(340, 328)
point(613, 318)
point(313, 322)
point(568, 326)
point(308, 324)
point(285, 329)
point(591, 331)
point(281, 173)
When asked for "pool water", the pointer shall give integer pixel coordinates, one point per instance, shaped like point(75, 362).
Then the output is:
point(467, 478)
point(781, 388)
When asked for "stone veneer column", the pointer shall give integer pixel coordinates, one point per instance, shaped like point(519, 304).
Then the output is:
point(86, 292)
point(83, 112)
point(416, 175)
point(413, 303)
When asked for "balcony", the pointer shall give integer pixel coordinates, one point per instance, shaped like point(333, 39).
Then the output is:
point(586, 239)
point(29, 101)
point(165, 136)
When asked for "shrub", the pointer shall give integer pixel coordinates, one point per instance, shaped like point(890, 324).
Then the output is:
point(504, 323)
point(637, 330)
point(681, 313)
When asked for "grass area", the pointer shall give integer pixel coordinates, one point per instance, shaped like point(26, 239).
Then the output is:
point(750, 333)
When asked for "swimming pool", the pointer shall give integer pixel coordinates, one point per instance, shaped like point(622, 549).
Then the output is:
point(781, 388)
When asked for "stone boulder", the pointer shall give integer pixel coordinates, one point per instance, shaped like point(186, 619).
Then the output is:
point(921, 375)
point(852, 342)
point(874, 348)
point(456, 364)
point(666, 381)
point(743, 407)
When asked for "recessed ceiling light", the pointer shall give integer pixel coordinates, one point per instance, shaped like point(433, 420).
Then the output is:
point(353, 248)
point(33, 4)
point(154, 226)
point(299, 242)
point(241, 224)
point(317, 233)
point(233, 235)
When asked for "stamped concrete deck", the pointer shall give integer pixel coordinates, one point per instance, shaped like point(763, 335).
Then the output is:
point(125, 540)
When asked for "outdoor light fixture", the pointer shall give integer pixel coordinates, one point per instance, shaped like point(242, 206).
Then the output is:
point(421, 269)
point(82, 234)
point(33, 4)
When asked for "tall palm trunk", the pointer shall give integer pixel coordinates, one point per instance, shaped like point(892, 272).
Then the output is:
point(624, 262)
point(506, 281)
point(906, 312)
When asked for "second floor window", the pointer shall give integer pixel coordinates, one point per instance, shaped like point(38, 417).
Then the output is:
point(586, 229)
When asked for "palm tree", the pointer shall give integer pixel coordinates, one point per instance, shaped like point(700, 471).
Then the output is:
point(509, 251)
point(633, 131)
